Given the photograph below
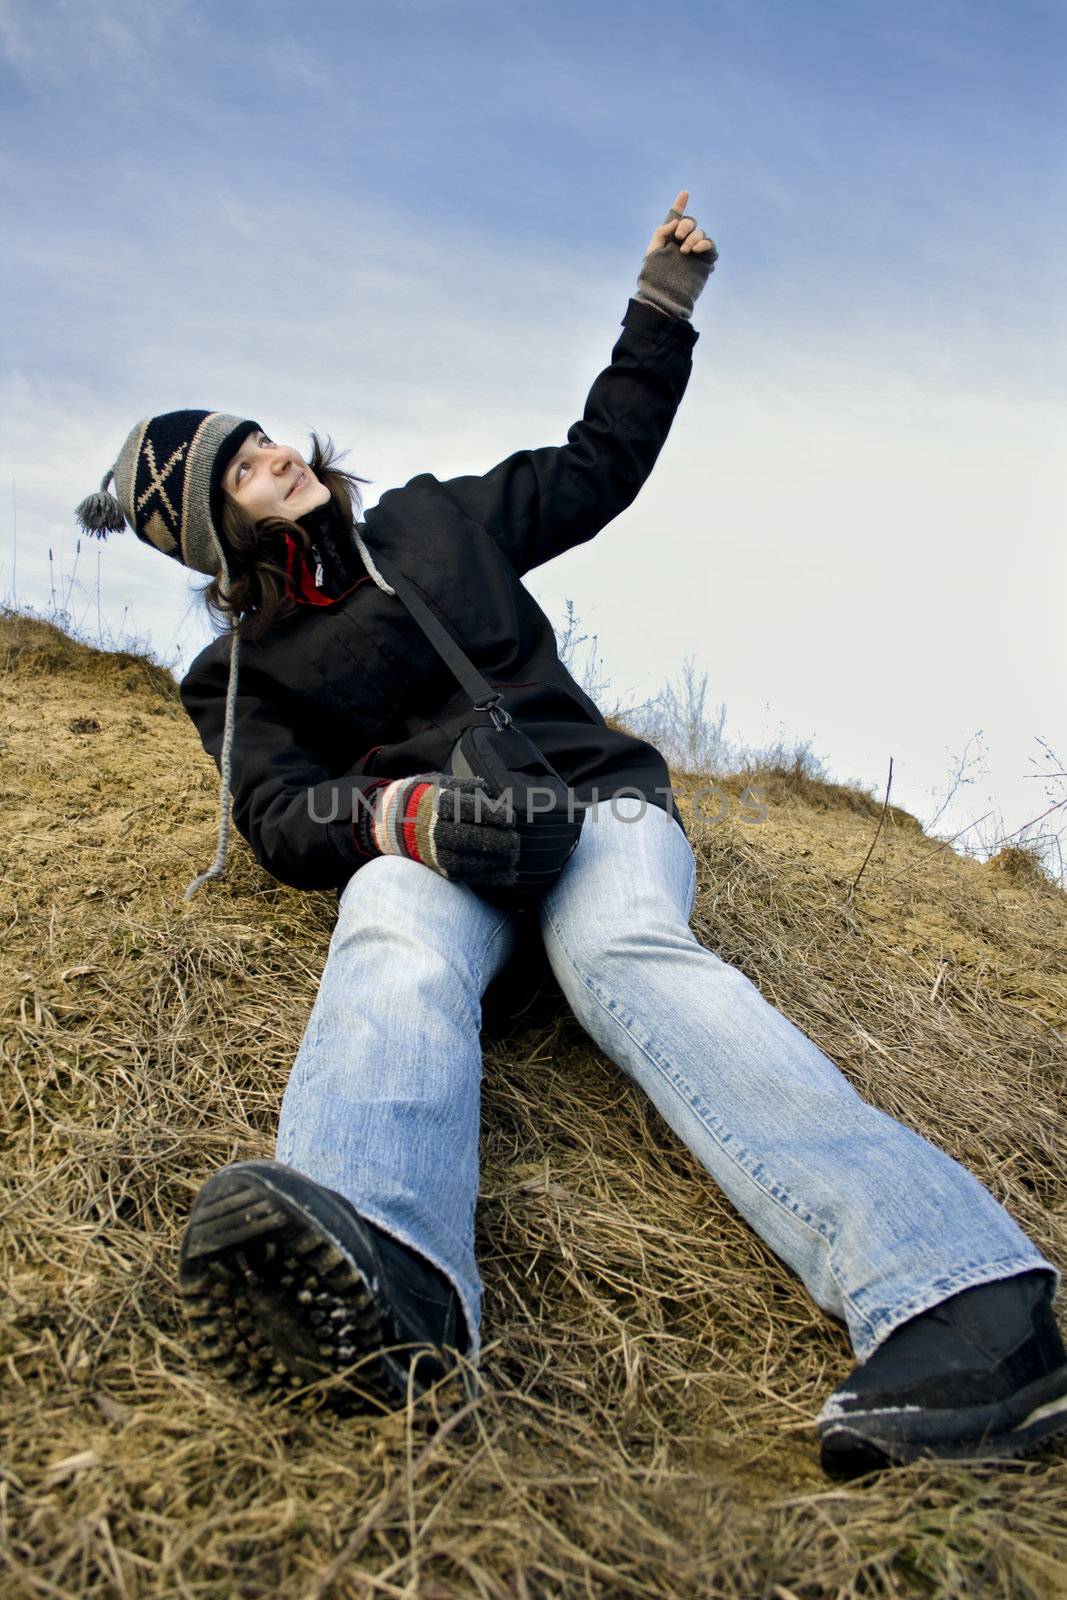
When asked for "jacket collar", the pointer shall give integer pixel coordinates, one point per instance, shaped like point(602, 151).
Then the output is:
point(300, 577)
point(335, 563)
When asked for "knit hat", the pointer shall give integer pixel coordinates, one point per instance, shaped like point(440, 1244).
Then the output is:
point(168, 488)
point(168, 480)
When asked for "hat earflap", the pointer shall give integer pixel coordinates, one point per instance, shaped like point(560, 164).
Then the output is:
point(100, 513)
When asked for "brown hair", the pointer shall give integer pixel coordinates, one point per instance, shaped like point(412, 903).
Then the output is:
point(256, 594)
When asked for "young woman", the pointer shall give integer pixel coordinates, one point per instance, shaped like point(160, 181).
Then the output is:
point(331, 717)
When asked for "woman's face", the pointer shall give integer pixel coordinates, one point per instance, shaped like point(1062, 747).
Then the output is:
point(272, 480)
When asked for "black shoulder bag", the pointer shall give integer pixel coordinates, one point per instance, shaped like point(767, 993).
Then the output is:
point(514, 770)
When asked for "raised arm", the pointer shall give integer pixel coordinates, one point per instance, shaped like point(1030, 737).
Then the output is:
point(538, 503)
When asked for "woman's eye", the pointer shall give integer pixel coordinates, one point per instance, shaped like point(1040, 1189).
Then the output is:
point(237, 475)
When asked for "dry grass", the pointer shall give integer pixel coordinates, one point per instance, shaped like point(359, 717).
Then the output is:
point(652, 1369)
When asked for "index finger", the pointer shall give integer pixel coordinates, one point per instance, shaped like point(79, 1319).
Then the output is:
point(682, 200)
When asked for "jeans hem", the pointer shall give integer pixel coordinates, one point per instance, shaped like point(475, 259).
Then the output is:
point(968, 1277)
point(471, 1354)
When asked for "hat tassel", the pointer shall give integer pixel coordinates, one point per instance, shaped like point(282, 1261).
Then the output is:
point(100, 513)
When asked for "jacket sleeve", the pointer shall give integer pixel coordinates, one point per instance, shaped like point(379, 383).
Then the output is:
point(295, 814)
point(538, 503)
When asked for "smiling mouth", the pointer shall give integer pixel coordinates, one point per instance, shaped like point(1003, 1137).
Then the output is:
point(298, 483)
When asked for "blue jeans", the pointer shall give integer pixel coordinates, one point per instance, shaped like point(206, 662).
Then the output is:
point(383, 1103)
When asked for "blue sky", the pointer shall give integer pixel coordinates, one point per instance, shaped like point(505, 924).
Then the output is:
point(416, 226)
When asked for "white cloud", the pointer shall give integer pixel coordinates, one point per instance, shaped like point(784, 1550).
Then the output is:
point(296, 67)
point(112, 46)
point(13, 41)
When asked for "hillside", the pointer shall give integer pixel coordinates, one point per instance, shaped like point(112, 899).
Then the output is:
point(653, 1370)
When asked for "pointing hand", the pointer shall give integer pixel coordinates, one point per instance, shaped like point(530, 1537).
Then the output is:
point(683, 228)
point(677, 263)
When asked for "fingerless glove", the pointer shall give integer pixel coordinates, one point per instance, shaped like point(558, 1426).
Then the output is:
point(671, 281)
point(445, 822)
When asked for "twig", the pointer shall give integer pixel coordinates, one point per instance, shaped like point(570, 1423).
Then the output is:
point(877, 831)
point(942, 844)
point(946, 962)
point(928, 827)
point(1006, 836)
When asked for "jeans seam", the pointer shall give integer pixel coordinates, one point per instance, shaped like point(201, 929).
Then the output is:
point(485, 947)
point(314, 1041)
point(478, 963)
point(661, 1069)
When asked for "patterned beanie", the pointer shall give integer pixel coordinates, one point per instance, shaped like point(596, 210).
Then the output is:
point(168, 488)
point(168, 480)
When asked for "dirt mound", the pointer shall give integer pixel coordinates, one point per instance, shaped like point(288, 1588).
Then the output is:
point(652, 1370)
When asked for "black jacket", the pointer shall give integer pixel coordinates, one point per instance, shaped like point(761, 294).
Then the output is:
point(349, 691)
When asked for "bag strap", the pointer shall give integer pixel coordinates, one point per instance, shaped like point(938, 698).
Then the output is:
point(481, 691)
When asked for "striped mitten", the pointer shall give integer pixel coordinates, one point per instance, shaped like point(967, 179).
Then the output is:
point(445, 822)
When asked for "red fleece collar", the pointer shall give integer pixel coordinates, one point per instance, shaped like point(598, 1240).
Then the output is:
point(300, 578)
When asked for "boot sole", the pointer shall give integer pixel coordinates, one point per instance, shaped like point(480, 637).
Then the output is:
point(274, 1303)
point(1018, 1426)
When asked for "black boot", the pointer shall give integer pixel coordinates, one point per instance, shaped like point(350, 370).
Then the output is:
point(284, 1285)
point(982, 1375)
